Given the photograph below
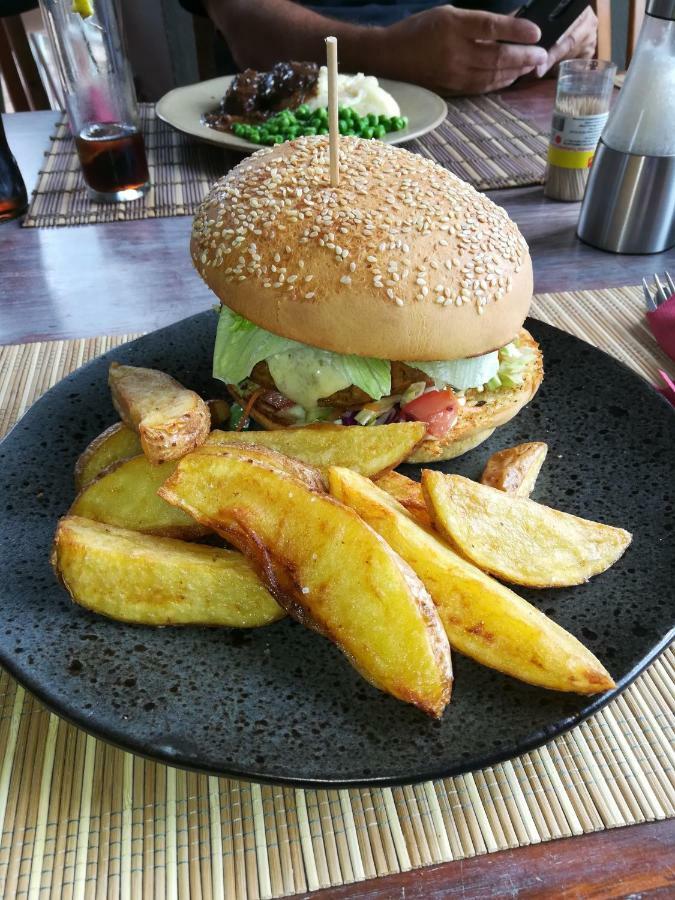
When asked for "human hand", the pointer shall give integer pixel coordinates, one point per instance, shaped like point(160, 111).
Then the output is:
point(578, 42)
point(459, 51)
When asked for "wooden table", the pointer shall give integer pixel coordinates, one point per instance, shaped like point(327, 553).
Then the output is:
point(137, 276)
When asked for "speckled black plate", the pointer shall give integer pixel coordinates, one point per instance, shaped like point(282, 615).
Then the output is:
point(280, 703)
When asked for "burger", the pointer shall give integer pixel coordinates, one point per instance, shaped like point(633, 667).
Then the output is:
point(398, 295)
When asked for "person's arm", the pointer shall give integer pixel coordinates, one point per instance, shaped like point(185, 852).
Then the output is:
point(451, 50)
point(263, 32)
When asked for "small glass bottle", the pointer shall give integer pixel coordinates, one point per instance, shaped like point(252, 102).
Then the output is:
point(582, 101)
point(100, 98)
point(13, 198)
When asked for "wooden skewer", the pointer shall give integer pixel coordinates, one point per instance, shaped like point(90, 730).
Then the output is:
point(333, 131)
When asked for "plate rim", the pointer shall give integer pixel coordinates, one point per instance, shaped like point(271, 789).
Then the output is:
point(246, 147)
point(116, 736)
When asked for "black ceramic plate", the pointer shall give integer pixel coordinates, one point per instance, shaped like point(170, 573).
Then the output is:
point(280, 703)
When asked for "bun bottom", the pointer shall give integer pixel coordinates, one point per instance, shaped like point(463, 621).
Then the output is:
point(482, 413)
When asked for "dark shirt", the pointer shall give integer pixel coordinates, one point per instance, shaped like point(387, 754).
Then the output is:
point(362, 12)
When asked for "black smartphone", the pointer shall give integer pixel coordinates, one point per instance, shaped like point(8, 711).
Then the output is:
point(553, 17)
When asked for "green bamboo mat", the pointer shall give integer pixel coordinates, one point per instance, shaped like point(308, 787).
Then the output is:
point(481, 140)
point(82, 819)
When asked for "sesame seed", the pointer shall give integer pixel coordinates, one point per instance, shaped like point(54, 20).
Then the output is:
point(309, 295)
point(346, 279)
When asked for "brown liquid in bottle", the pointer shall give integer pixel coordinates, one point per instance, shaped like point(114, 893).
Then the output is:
point(112, 157)
point(13, 198)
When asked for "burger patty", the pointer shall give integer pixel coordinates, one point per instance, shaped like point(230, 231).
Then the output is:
point(402, 376)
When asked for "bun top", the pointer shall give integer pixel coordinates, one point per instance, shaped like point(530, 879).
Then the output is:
point(402, 261)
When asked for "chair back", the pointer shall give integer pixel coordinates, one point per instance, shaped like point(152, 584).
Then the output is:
point(603, 10)
point(19, 71)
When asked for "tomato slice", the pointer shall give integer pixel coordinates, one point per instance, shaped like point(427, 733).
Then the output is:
point(439, 409)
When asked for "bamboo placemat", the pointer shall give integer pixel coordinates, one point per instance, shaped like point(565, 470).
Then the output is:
point(481, 140)
point(83, 819)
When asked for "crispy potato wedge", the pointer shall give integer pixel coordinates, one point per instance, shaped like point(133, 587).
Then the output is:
point(125, 495)
point(408, 493)
point(366, 450)
point(115, 444)
point(312, 477)
point(326, 567)
point(121, 442)
point(517, 539)
point(170, 419)
point(515, 469)
point(482, 618)
point(151, 580)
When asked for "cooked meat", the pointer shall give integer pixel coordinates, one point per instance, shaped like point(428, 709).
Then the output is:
point(402, 376)
point(253, 96)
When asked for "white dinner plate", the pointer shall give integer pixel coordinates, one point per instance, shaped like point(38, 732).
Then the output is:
point(184, 107)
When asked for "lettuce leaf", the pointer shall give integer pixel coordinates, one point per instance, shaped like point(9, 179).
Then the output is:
point(461, 374)
point(241, 345)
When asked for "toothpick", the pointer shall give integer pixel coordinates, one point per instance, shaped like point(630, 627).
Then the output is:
point(333, 131)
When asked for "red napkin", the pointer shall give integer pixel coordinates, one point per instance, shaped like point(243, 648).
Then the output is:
point(669, 390)
point(662, 323)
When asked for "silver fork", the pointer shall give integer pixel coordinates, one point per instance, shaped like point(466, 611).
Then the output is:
point(658, 294)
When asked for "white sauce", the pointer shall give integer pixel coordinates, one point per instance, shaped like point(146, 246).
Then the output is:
point(307, 376)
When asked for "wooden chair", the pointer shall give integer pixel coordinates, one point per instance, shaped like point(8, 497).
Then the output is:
point(19, 71)
point(636, 12)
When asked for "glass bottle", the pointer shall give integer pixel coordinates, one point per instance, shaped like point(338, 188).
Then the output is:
point(13, 198)
point(86, 38)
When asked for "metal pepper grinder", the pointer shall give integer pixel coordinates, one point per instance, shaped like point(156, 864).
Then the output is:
point(629, 204)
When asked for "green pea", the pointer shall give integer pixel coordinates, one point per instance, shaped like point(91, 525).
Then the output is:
point(372, 119)
point(379, 131)
point(302, 112)
point(367, 133)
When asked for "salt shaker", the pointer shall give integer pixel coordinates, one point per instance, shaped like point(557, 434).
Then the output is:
point(629, 205)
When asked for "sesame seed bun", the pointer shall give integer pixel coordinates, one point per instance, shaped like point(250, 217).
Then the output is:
point(482, 412)
point(403, 261)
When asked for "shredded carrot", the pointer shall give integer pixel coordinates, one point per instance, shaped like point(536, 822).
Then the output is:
point(250, 403)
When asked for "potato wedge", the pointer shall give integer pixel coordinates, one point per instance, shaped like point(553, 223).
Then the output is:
point(150, 580)
point(366, 450)
point(115, 444)
point(170, 419)
point(266, 456)
point(482, 618)
point(408, 493)
point(517, 539)
point(125, 495)
point(514, 470)
point(327, 568)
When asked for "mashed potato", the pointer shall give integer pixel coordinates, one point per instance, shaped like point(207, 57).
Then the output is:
point(361, 92)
